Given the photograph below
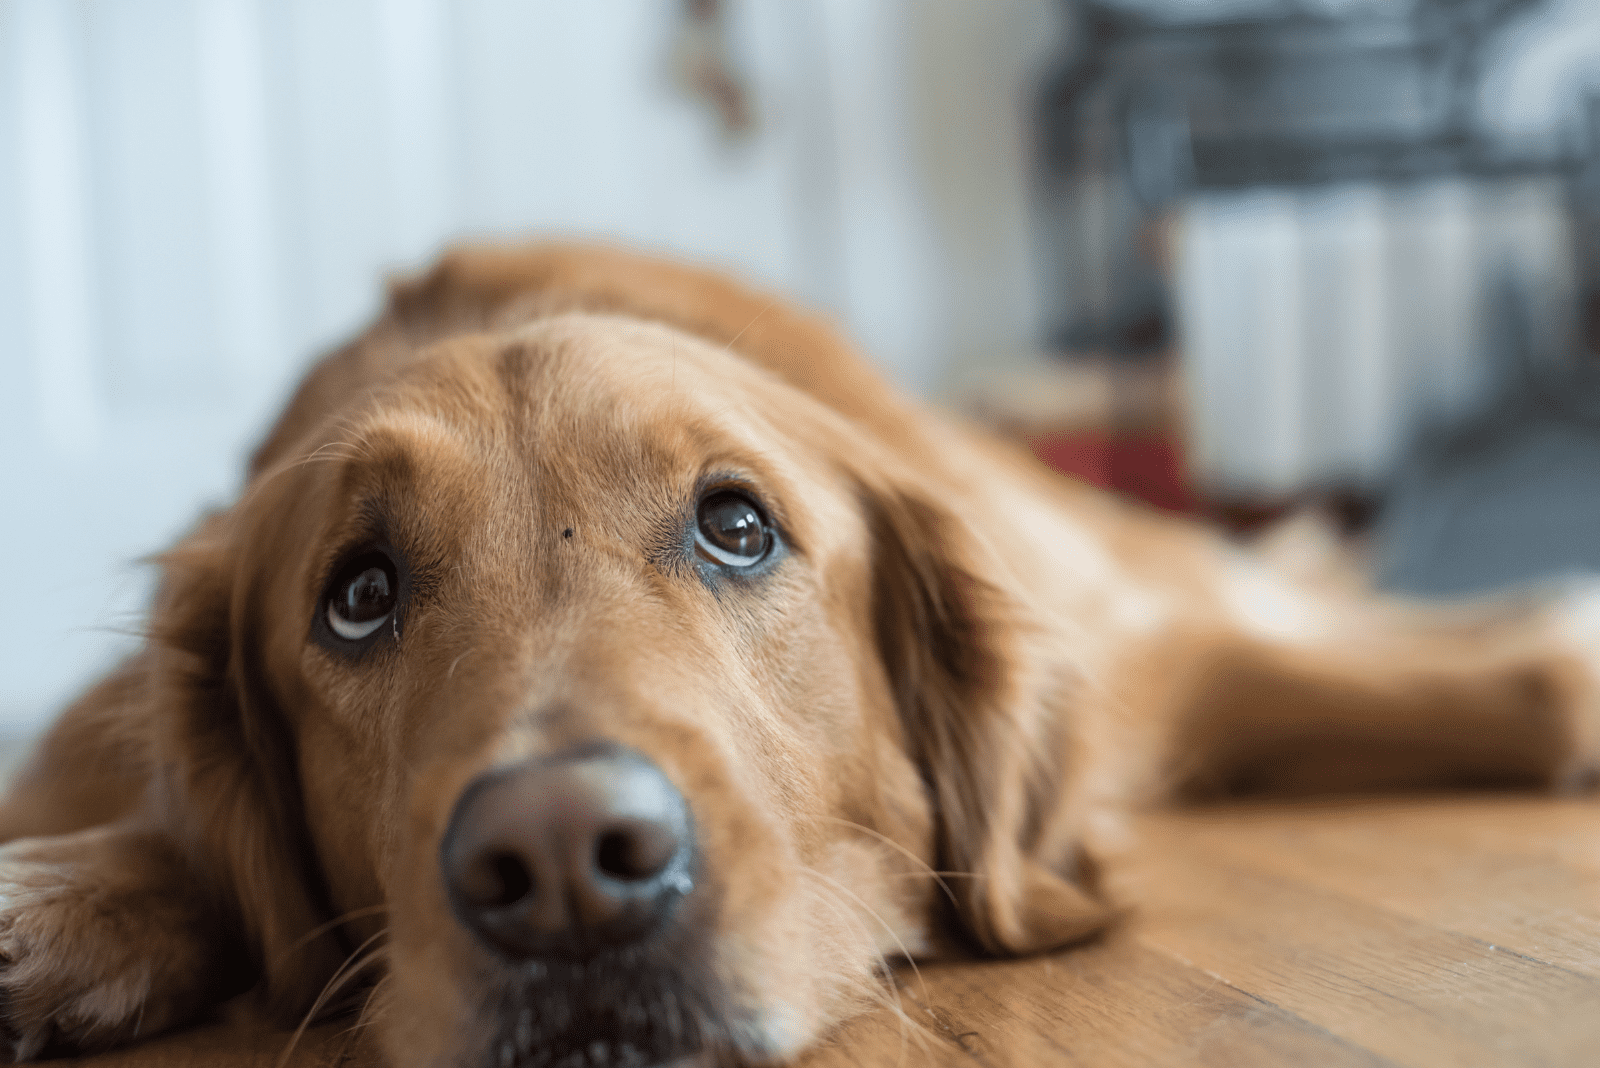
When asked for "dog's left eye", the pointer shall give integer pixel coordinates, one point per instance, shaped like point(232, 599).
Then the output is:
point(730, 530)
point(362, 598)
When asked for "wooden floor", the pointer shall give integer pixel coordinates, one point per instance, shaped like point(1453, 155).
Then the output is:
point(1459, 931)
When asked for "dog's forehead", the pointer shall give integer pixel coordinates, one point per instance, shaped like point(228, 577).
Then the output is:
point(582, 411)
point(589, 383)
point(610, 373)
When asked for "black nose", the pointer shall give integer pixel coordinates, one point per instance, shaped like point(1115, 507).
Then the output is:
point(566, 855)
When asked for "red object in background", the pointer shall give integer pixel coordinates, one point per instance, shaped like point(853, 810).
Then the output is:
point(1147, 466)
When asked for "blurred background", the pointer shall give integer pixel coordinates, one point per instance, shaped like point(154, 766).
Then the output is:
point(1234, 257)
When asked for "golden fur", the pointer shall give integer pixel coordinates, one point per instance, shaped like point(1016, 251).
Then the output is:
point(963, 664)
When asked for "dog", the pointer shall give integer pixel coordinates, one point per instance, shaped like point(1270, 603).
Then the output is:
point(603, 666)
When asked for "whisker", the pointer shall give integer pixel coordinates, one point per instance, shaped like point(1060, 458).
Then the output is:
point(448, 675)
point(284, 468)
point(359, 446)
point(351, 967)
point(769, 306)
point(937, 877)
point(362, 1018)
point(322, 929)
point(878, 993)
point(935, 874)
point(870, 911)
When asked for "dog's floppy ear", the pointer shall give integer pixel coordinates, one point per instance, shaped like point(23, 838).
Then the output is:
point(227, 778)
point(983, 726)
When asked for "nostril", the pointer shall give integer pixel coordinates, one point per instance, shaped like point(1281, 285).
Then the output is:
point(496, 880)
point(637, 853)
point(516, 882)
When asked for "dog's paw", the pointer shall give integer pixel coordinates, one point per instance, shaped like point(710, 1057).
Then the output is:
point(97, 944)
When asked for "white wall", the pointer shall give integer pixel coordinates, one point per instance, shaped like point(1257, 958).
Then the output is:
point(196, 195)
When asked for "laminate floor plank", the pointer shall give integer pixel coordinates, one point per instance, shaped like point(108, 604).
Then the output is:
point(1537, 894)
point(1453, 932)
point(1112, 1003)
point(1405, 988)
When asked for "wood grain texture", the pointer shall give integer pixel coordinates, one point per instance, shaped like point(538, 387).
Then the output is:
point(1433, 933)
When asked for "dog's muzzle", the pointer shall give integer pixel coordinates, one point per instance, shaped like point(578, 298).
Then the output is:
point(576, 872)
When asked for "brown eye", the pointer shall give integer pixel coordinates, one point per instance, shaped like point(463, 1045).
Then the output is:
point(730, 530)
point(362, 598)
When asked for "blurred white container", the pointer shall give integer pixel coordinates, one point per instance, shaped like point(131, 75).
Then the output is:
point(1322, 326)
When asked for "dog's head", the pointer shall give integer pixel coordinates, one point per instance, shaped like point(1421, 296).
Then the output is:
point(627, 693)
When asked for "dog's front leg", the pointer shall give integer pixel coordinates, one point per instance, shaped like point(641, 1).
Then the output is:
point(105, 935)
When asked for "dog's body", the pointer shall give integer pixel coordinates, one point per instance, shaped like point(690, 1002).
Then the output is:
point(566, 517)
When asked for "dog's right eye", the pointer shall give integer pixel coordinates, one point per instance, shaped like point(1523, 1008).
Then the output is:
point(362, 598)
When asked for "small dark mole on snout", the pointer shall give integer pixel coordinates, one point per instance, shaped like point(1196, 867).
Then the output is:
point(567, 533)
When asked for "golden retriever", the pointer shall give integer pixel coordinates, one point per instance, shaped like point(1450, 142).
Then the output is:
point(601, 661)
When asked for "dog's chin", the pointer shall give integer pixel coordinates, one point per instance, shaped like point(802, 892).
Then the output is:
point(625, 1009)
